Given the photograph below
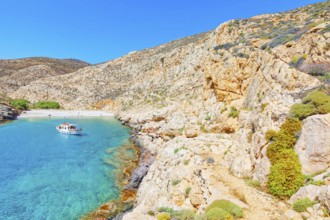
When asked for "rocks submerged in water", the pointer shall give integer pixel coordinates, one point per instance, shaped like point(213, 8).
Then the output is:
point(116, 209)
point(137, 176)
point(146, 159)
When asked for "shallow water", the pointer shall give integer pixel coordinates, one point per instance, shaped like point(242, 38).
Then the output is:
point(48, 175)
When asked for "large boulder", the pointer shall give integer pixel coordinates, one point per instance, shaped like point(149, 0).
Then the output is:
point(7, 112)
point(320, 194)
point(313, 146)
point(310, 191)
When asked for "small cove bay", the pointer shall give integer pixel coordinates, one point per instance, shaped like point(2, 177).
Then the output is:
point(48, 175)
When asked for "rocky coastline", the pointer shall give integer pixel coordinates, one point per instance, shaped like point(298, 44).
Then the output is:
point(129, 178)
point(7, 113)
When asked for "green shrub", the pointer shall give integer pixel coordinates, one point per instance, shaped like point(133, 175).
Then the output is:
point(233, 112)
point(187, 191)
point(200, 217)
point(175, 182)
point(166, 209)
point(253, 183)
point(279, 40)
point(270, 135)
point(325, 212)
point(276, 149)
point(150, 212)
point(250, 137)
point(302, 111)
point(285, 176)
point(273, 151)
point(228, 206)
point(315, 102)
point(263, 106)
point(47, 105)
point(291, 126)
point(308, 179)
point(318, 183)
point(301, 205)
point(185, 214)
point(324, 109)
point(218, 214)
point(163, 216)
point(325, 78)
point(320, 100)
point(285, 139)
point(295, 59)
point(317, 98)
point(20, 104)
point(298, 60)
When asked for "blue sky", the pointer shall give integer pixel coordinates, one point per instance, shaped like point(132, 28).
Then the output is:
point(100, 30)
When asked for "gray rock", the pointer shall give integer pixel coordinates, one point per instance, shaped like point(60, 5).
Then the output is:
point(324, 197)
point(210, 160)
point(146, 159)
point(313, 146)
point(137, 176)
point(314, 193)
point(7, 112)
point(310, 191)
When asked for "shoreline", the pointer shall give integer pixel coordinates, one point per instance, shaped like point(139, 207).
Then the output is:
point(42, 113)
point(133, 172)
point(130, 174)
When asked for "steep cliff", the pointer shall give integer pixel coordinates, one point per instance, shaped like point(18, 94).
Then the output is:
point(202, 105)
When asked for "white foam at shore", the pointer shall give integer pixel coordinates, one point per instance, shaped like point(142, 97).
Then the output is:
point(64, 113)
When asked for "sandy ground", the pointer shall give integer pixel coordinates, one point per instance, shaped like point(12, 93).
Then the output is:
point(63, 113)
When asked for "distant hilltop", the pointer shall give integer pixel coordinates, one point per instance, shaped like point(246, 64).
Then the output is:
point(15, 73)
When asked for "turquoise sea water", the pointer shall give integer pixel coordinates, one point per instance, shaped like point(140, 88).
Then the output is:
point(48, 175)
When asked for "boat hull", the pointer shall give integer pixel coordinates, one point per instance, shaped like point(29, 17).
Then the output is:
point(70, 132)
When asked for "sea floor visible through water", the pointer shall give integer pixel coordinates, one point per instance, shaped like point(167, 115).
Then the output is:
point(48, 175)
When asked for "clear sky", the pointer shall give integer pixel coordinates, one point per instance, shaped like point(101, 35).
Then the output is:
point(100, 30)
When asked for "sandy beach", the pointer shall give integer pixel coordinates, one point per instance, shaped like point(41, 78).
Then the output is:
point(64, 113)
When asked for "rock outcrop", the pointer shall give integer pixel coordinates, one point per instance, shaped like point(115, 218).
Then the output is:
point(313, 146)
point(319, 194)
point(7, 112)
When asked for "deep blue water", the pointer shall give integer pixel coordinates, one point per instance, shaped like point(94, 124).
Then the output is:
point(48, 175)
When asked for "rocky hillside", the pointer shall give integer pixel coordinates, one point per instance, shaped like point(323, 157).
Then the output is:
point(203, 105)
point(21, 72)
point(87, 86)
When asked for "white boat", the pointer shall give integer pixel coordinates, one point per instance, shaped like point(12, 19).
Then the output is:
point(67, 128)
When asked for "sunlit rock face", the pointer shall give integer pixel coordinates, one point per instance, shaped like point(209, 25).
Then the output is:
point(313, 146)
